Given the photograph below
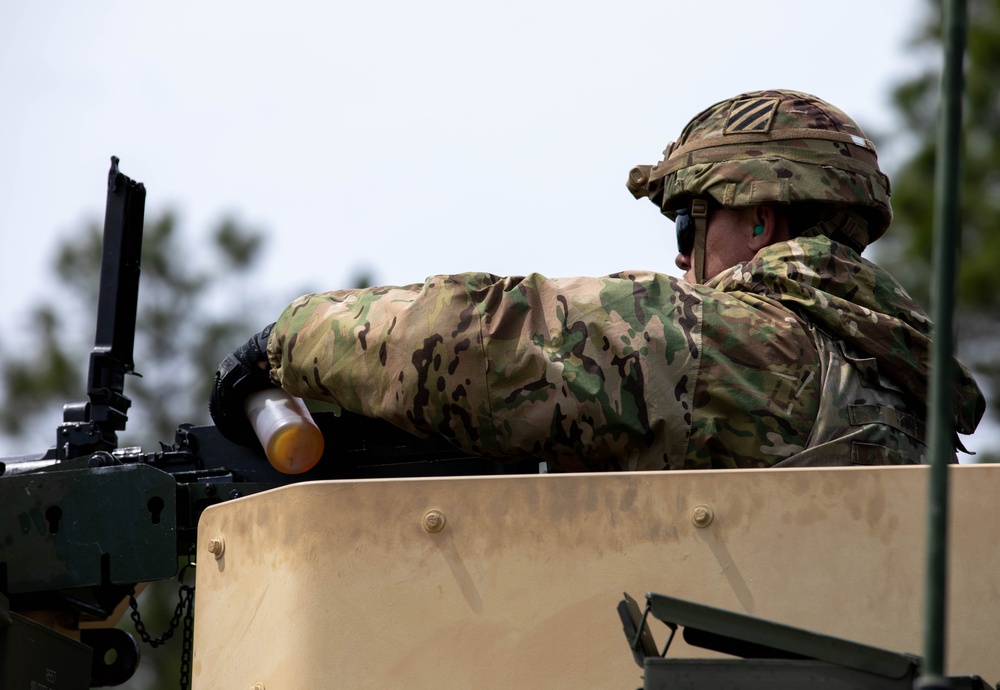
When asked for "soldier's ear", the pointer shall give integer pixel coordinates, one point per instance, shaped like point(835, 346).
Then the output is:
point(765, 229)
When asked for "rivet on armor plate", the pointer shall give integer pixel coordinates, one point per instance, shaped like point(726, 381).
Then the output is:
point(434, 521)
point(702, 515)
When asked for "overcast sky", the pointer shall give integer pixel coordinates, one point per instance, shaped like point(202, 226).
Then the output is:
point(405, 139)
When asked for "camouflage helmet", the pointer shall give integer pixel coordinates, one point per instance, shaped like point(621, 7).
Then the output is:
point(764, 147)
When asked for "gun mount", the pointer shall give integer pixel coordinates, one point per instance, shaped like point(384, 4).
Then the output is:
point(85, 521)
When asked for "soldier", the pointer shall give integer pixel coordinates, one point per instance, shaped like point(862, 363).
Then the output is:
point(781, 346)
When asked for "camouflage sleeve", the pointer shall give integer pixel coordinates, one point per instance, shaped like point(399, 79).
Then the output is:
point(559, 369)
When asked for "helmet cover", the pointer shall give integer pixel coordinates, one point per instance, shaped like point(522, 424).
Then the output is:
point(771, 147)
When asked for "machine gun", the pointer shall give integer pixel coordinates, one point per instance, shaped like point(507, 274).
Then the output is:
point(86, 521)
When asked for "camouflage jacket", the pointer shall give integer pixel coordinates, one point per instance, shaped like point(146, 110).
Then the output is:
point(633, 371)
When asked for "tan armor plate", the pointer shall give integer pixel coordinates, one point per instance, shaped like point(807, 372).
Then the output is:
point(342, 584)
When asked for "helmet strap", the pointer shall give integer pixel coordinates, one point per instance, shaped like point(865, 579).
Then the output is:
point(699, 214)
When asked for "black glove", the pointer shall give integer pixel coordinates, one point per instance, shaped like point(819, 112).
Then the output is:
point(239, 375)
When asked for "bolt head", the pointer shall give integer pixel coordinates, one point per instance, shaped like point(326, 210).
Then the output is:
point(434, 521)
point(702, 515)
point(217, 547)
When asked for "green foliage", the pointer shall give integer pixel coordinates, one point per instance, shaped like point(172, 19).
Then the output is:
point(50, 372)
point(907, 249)
point(362, 278)
point(239, 247)
point(179, 341)
point(916, 103)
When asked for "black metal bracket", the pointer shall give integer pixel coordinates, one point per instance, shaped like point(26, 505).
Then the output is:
point(753, 638)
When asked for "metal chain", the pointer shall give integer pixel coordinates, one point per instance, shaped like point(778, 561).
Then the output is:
point(185, 607)
point(187, 643)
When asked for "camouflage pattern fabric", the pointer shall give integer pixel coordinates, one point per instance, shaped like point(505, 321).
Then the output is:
point(863, 418)
point(773, 146)
point(631, 371)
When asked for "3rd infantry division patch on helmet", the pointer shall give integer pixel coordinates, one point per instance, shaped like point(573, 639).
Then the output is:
point(764, 147)
point(751, 115)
